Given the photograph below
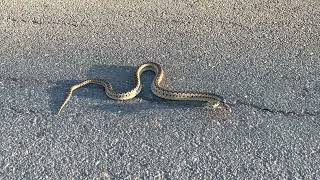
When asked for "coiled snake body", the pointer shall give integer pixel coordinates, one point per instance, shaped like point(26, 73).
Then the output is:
point(157, 88)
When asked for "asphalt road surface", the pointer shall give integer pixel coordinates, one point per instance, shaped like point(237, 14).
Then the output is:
point(262, 57)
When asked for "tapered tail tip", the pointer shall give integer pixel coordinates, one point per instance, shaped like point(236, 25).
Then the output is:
point(59, 111)
point(62, 106)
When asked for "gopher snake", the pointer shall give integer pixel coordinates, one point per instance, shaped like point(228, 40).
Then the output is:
point(156, 88)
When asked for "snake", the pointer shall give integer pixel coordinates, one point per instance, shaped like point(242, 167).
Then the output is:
point(157, 88)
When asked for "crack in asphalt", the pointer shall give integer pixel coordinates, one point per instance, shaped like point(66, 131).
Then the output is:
point(276, 111)
point(24, 111)
point(237, 102)
point(80, 24)
point(38, 22)
point(22, 80)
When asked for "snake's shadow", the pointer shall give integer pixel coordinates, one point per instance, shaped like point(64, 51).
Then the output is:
point(121, 78)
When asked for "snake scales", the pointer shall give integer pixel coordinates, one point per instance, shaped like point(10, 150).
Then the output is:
point(157, 88)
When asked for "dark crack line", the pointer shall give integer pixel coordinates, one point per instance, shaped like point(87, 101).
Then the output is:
point(251, 30)
point(26, 80)
point(80, 24)
point(19, 111)
point(238, 102)
point(277, 111)
point(236, 25)
point(26, 111)
point(38, 22)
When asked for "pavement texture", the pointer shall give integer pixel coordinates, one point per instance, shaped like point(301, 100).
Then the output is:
point(261, 56)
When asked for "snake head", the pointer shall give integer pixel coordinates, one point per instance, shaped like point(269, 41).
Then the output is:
point(226, 107)
point(220, 105)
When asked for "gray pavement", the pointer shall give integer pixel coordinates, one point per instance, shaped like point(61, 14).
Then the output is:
point(263, 57)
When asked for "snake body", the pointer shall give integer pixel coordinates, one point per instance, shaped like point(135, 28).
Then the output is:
point(156, 87)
